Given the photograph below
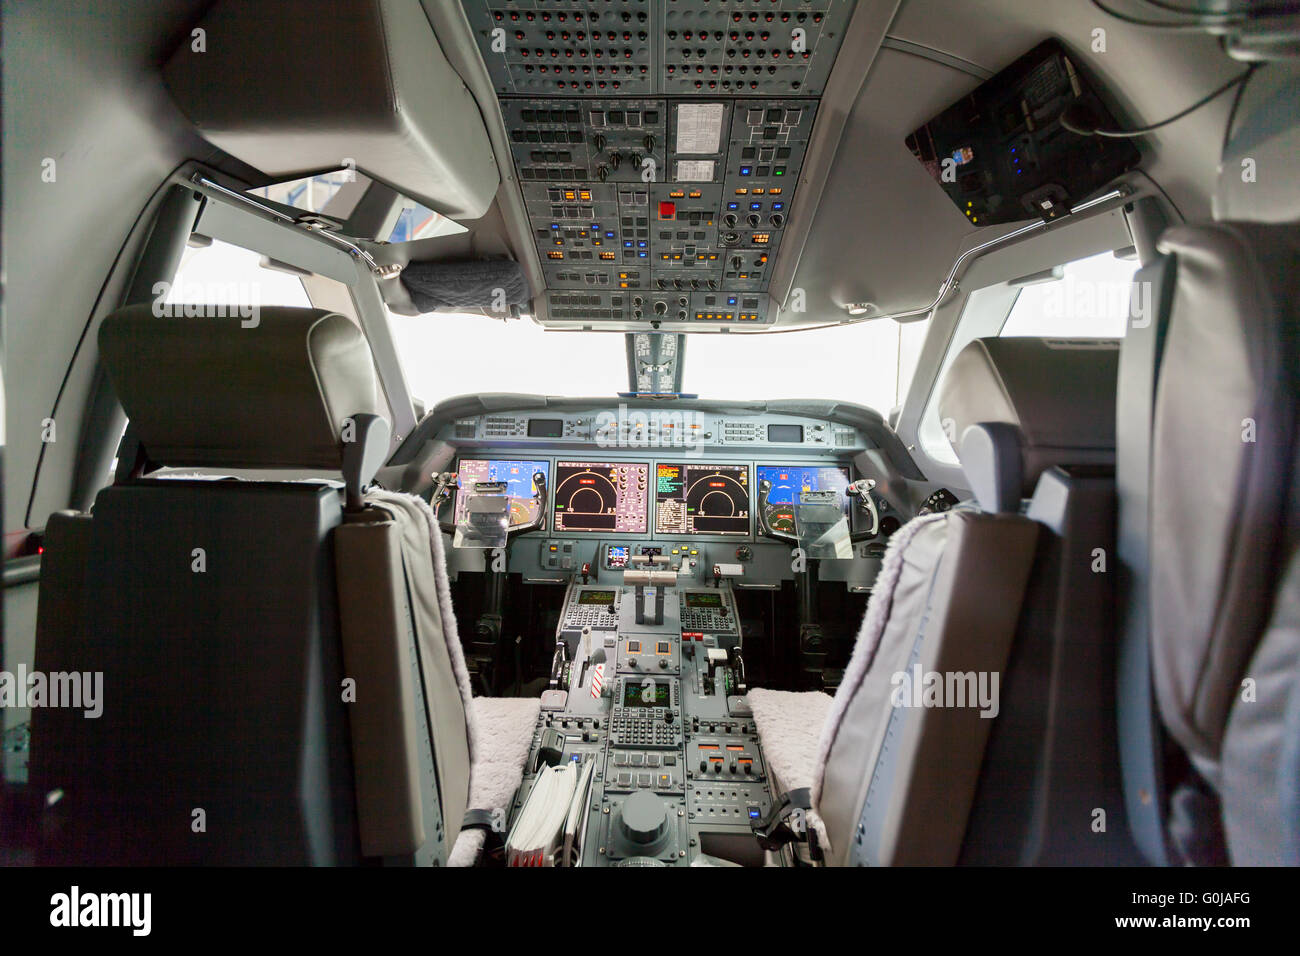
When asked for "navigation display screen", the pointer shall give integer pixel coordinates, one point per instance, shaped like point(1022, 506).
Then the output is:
point(790, 482)
point(601, 496)
point(645, 693)
point(701, 499)
point(518, 479)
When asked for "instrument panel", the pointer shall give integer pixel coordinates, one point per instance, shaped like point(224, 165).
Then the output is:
point(516, 475)
point(789, 484)
point(676, 499)
point(657, 145)
point(701, 499)
point(601, 496)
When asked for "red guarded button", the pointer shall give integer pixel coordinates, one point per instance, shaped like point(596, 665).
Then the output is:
point(668, 210)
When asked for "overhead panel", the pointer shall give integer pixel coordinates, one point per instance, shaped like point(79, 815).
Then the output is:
point(658, 145)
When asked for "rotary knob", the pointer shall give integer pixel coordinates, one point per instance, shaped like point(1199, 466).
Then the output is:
point(644, 819)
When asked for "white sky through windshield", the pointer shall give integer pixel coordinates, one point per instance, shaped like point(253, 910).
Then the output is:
point(450, 354)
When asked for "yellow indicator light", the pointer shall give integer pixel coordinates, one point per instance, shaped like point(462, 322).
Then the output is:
point(742, 192)
point(775, 191)
point(696, 194)
point(555, 254)
point(676, 194)
point(607, 255)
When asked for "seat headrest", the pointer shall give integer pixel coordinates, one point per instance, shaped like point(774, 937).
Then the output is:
point(1257, 170)
point(210, 392)
point(1057, 396)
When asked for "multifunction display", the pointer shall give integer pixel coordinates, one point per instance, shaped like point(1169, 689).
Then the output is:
point(601, 496)
point(517, 476)
point(646, 693)
point(790, 485)
point(701, 499)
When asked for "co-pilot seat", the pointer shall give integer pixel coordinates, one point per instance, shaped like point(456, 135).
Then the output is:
point(977, 591)
point(282, 678)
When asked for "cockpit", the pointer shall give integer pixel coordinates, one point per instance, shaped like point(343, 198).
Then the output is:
point(613, 433)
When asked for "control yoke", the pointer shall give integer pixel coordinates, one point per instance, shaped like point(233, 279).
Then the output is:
point(859, 491)
point(487, 506)
point(765, 489)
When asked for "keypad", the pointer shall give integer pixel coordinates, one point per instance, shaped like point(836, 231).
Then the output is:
point(648, 729)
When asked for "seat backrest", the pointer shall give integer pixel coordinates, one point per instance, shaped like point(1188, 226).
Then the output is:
point(1224, 527)
point(244, 718)
point(1218, 599)
point(902, 750)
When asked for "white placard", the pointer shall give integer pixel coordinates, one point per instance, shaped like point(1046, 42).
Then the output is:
point(694, 171)
point(699, 128)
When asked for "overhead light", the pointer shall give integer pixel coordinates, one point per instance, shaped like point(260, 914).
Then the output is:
point(860, 308)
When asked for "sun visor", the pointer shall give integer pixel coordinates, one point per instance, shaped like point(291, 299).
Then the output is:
point(298, 86)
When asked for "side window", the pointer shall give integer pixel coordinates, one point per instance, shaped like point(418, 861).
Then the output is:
point(221, 275)
point(1089, 301)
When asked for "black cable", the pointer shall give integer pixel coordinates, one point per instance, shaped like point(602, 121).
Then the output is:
point(1201, 20)
point(1142, 131)
point(1236, 102)
point(1161, 189)
point(1162, 24)
point(1210, 18)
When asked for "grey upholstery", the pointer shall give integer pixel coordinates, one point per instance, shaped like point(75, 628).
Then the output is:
point(207, 391)
point(897, 780)
point(1225, 521)
point(984, 594)
point(1058, 394)
point(230, 617)
point(295, 87)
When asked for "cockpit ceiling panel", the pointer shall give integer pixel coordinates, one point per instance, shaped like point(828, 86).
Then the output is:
point(658, 145)
point(676, 47)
